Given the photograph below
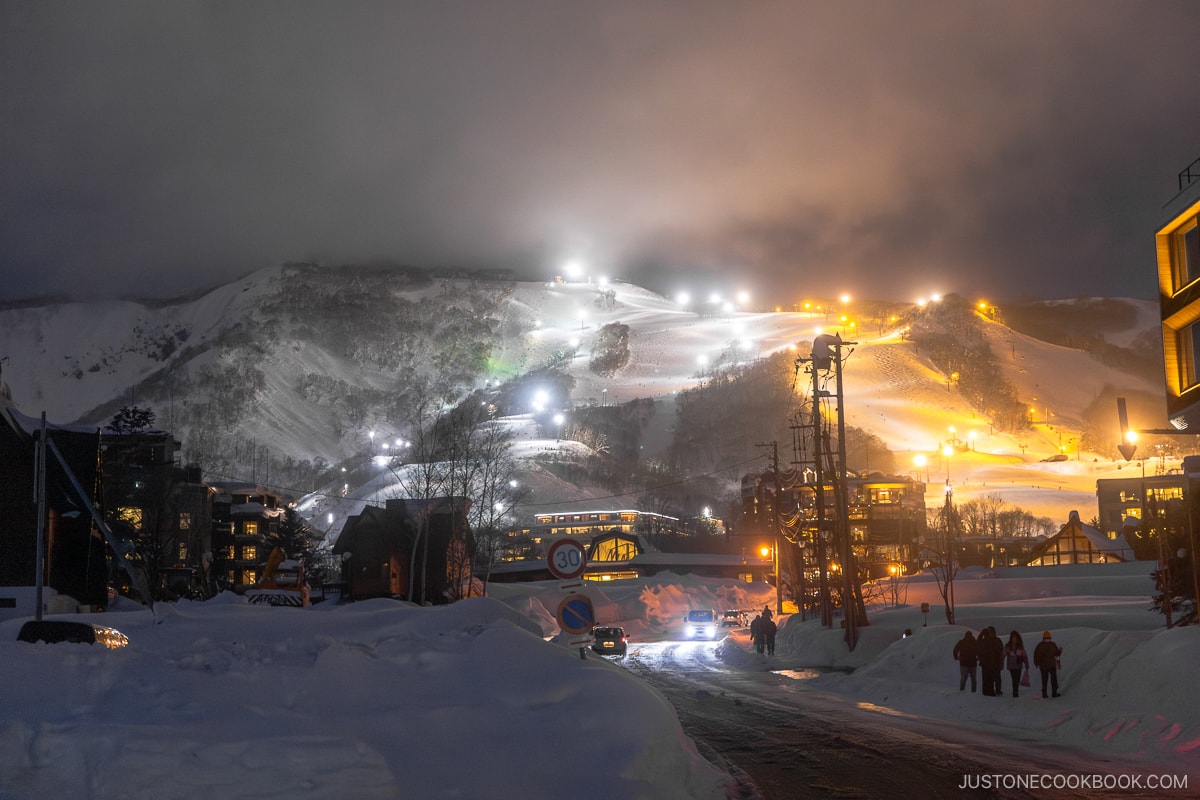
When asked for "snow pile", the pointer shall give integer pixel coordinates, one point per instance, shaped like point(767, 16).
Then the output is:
point(1127, 681)
point(371, 700)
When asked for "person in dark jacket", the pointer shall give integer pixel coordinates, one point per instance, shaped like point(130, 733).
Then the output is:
point(757, 634)
point(769, 629)
point(1015, 658)
point(991, 660)
point(967, 655)
point(1045, 658)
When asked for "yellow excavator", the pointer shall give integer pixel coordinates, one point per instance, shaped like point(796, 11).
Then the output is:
point(282, 583)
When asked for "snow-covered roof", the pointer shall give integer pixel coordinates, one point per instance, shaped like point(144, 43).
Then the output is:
point(1118, 547)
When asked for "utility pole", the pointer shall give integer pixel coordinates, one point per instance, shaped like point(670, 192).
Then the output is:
point(819, 486)
point(39, 486)
point(775, 521)
point(855, 611)
point(827, 355)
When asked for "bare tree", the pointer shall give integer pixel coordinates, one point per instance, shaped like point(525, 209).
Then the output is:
point(423, 477)
point(982, 516)
point(465, 455)
point(496, 493)
point(945, 534)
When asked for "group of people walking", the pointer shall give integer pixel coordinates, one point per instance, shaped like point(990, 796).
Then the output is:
point(991, 656)
point(762, 632)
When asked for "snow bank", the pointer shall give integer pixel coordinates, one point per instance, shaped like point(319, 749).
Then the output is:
point(374, 700)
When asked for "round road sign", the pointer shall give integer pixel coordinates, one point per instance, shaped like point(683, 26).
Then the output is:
point(575, 614)
point(567, 559)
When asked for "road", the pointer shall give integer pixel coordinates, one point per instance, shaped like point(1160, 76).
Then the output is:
point(782, 739)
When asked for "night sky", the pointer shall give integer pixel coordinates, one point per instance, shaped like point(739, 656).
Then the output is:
point(887, 149)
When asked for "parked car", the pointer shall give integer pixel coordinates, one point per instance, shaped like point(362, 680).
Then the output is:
point(734, 619)
point(610, 640)
point(54, 631)
point(701, 624)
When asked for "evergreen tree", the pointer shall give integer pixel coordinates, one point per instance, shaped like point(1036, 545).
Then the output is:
point(131, 419)
point(298, 540)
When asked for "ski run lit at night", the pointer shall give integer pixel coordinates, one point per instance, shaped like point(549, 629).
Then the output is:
point(645, 400)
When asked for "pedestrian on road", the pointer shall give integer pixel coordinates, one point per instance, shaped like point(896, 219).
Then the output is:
point(1015, 658)
point(967, 655)
point(769, 629)
point(991, 660)
point(757, 634)
point(1045, 658)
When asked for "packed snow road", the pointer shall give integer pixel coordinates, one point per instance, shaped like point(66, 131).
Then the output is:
point(781, 739)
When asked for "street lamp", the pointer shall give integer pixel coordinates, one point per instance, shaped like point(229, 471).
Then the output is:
point(950, 553)
point(921, 461)
point(947, 451)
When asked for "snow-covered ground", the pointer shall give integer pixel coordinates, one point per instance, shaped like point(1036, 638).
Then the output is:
point(381, 699)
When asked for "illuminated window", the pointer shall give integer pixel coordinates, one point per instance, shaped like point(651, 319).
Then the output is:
point(249, 553)
point(1188, 341)
point(132, 516)
point(615, 550)
point(1185, 254)
point(228, 551)
point(250, 528)
point(185, 521)
point(251, 576)
point(183, 551)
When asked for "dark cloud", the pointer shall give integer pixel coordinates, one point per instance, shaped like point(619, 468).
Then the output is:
point(883, 148)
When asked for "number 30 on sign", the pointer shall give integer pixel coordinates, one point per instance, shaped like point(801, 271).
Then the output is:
point(567, 559)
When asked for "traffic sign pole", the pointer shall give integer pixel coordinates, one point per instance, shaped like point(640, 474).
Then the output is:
point(567, 560)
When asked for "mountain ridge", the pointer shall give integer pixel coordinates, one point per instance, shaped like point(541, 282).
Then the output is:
point(305, 361)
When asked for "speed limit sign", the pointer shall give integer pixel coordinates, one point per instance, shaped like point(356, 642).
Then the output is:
point(567, 559)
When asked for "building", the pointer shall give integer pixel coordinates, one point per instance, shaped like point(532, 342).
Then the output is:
point(75, 560)
point(377, 550)
point(530, 542)
point(1077, 543)
point(886, 517)
point(245, 521)
point(164, 509)
point(1178, 246)
point(1119, 499)
point(614, 555)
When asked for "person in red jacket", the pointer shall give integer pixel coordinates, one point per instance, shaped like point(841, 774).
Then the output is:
point(1045, 658)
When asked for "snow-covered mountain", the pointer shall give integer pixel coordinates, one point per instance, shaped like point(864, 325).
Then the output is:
point(299, 367)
